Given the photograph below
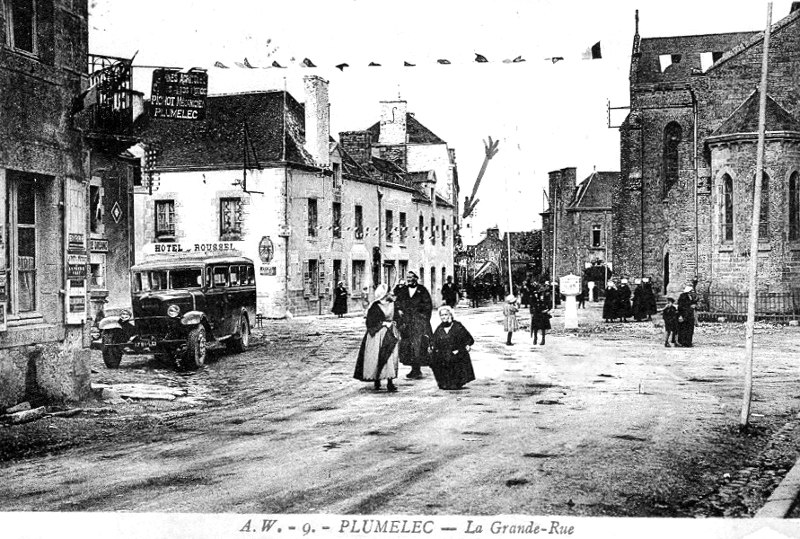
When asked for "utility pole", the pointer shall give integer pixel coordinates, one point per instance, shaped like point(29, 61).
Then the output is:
point(555, 228)
point(753, 269)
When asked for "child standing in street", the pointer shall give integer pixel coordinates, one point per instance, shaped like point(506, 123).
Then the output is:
point(510, 324)
point(670, 314)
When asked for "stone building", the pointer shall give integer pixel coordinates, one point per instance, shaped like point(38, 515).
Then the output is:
point(526, 255)
point(581, 216)
point(485, 258)
point(682, 210)
point(261, 176)
point(43, 191)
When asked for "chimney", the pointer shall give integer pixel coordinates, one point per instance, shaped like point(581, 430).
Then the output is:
point(795, 7)
point(318, 119)
point(358, 144)
point(393, 122)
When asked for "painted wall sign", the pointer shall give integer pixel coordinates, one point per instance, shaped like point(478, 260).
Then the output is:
point(269, 270)
point(221, 247)
point(176, 95)
point(98, 246)
point(76, 267)
point(75, 244)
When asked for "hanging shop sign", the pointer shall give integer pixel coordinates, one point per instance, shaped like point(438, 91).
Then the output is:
point(177, 95)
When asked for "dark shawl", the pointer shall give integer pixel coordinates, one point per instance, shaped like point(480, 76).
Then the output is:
point(452, 370)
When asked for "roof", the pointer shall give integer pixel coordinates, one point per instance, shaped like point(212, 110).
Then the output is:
point(595, 191)
point(218, 141)
point(415, 131)
point(745, 118)
point(688, 47)
point(187, 261)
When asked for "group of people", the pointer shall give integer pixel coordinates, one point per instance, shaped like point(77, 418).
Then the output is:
point(539, 301)
point(399, 331)
point(620, 303)
point(679, 320)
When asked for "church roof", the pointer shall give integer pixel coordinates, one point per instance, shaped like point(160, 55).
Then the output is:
point(745, 118)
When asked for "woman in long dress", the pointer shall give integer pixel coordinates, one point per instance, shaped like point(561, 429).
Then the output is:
point(540, 317)
point(686, 303)
point(378, 357)
point(339, 300)
point(450, 361)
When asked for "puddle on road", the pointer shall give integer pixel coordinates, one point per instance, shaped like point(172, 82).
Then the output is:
point(548, 402)
point(516, 482)
point(540, 455)
point(629, 438)
point(334, 444)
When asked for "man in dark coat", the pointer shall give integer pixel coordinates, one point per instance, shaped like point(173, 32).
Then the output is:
point(686, 302)
point(624, 299)
point(450, 292)
point(649, 298)
point(610, 304)
point(414, 307)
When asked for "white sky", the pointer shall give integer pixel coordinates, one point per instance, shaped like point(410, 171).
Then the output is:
point(546, 116)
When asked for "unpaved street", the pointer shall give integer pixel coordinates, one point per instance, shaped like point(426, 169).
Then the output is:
point(605, 422)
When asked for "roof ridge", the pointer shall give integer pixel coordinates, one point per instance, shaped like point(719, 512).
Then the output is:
point(739, 49)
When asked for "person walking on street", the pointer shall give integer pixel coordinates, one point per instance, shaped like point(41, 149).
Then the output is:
point(610, 302)
point(339, 300)
point(450, 361)
point(510, 323)
point(670, 314)
point(649, 298)
point(378, 357)
point(450, 293)
point(583, 295)
point(540, 316)
point(638, 306)
point(414, 306)
point(686, 303)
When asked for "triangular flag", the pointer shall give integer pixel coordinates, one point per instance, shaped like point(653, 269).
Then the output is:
point(593, 52)
point(518, 59)
point(247, 64)
point(666, 60)
point(239, 64)
point(481, 59)
point(373, 64)
point(443, 61)
point(276, 64)
point(408, 64)
point(555, 59)
point(220, 65)
point(308, 63)
point(341, 67)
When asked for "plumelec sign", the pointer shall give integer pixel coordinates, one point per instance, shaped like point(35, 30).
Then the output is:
point(175, 95)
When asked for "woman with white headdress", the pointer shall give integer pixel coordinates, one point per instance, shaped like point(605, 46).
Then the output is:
point(450, 361)
point(378, 357)
point(686, 302)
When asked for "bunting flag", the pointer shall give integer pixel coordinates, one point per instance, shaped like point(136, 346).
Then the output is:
point(593, 52)
point(443, 61)
point(408, 64)
point(517, 60)
point(276, 64)
point(373, 64)
point(220, 65)
point(666, 60)
point(341, 67)
point(247, 64)
point(308, 63)
point(481, 59)
point(555, 59)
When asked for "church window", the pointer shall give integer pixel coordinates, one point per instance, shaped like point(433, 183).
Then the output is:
point(673, 135)
point(794, 206)
point(763, 224)
point(727, 208)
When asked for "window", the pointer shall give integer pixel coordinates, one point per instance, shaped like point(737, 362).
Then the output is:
point(220, 276)
point(444, 275)
point(235, 275)
point(312, 217)
point(421, 230)
point(358, 274)
point(311, 278)
point(389, 226)
point(337, 272)
point(433, 280)
point(422, 275)
point(389, 272)
point(22, 25)
point(22, 248)
point(763, 223)
point(230, 218)
point(727, 208)
point(95, 209)
point(444, 234)
point(794, 207)
point(337, 176)
point(433, 231)
point(337, 220)
point(358, 224)
point(185, 278)
point(165, 219)
point(403, 269)
point(673, 135)
point(596, 231)
point(403, 227)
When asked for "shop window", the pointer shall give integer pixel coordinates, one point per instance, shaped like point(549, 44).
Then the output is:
point(165, 220)
point(794, 206)
point(21, 33)
point(230, 218)
point(22, 243)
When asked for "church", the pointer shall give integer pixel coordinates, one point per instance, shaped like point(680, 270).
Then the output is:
point(682, 209)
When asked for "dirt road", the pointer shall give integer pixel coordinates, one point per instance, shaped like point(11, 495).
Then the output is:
point(606, 422)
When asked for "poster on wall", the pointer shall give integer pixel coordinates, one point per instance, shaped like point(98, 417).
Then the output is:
point(77, 258)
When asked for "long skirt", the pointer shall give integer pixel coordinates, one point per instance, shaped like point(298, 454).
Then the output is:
point(540, 321)
point(510, 323)
point(453, 373)
point(372, 347)
point(686, 332)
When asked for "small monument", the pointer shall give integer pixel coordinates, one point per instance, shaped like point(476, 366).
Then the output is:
point(570, 287)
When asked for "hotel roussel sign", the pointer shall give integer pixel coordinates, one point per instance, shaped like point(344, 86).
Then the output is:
point(177, 95)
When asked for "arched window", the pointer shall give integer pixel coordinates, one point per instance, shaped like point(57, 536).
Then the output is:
point(673, 134)
point(794, 206)
point(763, 223)
point(727, 208)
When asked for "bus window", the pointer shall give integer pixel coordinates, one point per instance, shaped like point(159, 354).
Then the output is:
point(220, 276)
point(235, 275)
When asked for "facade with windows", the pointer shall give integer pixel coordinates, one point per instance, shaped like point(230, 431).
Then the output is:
point(580, 217)
point(43, 199)
point(308, 213)
point(683, 207)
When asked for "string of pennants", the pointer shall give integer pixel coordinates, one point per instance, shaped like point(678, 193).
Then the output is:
point(594, 52)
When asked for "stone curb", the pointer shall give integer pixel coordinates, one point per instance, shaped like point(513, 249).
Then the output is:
point(783, 498)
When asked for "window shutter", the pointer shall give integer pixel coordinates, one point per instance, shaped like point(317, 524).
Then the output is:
point(306, 279)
